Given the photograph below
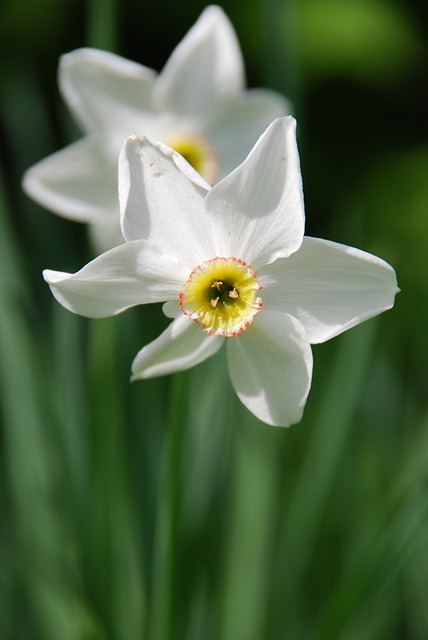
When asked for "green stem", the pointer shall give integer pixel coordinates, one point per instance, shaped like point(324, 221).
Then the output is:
point(168, 508)
point(281, 47)
point(111, 533)
point(101, 24)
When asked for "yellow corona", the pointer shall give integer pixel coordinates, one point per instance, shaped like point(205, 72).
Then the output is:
point(221, 294)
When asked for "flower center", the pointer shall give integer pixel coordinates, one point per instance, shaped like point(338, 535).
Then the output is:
point(221, 294)
point(199, 153)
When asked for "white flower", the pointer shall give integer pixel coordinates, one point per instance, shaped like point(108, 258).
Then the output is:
point(197, 105)
point(233, 266)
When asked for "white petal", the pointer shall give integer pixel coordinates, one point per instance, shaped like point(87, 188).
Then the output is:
point(259, 208)
point(172, 309)
point(181, 346)
point(329, 287)
point(106, 234)
point(103, 90)
point(205, 67)
point(160, 203)
point(133, 273)
point(78, 182)
point(270, 366)
point(237, 123)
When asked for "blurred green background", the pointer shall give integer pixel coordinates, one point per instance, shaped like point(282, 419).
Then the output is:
point(162, 509)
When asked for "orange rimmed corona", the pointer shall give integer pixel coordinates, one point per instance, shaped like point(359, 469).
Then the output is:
point(222, 295)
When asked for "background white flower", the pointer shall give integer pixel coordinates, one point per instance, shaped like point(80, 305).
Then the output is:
point(232, 264)
point(197, 105)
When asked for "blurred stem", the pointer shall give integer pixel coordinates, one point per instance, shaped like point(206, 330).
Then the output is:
point(101, 24)
point(161, 627)
point(11, 268)
point(111, 532)
point(248, 560)
point(281, 33)
point(70, 396)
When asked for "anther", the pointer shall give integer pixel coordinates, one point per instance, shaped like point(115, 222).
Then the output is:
point(214, 301)
point(233, 294)
point(218, 284)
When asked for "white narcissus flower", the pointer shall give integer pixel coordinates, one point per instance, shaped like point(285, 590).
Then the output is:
point(233, 266)
point(197, 105)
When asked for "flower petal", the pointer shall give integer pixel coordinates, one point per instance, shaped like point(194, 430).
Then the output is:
point(329, 287)
point(270, 365)
point(181, 346)
point(237, 123)
point(172, 309)
point(106, 234)
point(259, 208)
point(160, 203)
point(133, 273)
point(103, 90)
point(77, 182)
point(205, 67)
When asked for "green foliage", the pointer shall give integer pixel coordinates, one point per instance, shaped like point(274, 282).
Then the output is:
point(161, 509)
point(371, 40)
